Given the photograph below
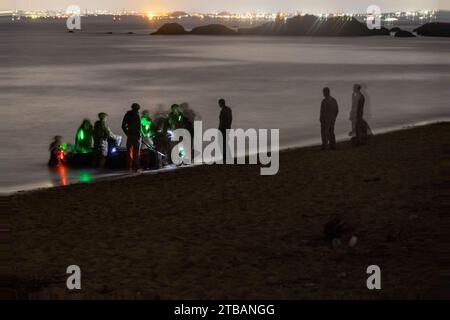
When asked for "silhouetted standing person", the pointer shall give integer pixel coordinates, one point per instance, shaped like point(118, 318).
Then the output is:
point(225, 120)
point(328, 113)
point(102, 133)
point(131, 125)
point(360, 128)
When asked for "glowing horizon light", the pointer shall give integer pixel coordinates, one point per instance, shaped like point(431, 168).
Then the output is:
point(155, 15)
point(150, 15)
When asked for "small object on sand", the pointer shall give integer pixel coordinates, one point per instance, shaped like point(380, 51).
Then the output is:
point(353, 241)
point(336, 243)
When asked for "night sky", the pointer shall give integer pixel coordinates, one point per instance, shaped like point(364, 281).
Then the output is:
point(314, 6)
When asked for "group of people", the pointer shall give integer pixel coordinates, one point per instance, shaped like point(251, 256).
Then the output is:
point(328, 113)
point(140, 130)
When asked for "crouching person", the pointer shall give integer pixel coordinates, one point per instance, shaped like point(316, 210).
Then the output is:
point(56, 149)
point(102, 133)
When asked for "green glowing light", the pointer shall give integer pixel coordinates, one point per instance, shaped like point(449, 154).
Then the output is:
point(181, 152)
point(83, 141)
point(85, 177)
point(146, 127)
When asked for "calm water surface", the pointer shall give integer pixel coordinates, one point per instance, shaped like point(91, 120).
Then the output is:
point(50, 80)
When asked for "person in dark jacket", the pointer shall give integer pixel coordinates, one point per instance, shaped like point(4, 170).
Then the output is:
point(225, 120)
point(131, 125)
point(328, 113)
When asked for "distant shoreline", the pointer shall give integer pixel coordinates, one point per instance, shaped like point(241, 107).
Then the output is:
point(309, 25)
point(300, 25)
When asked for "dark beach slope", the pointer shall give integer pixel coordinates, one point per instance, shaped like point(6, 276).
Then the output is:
point(227, 232)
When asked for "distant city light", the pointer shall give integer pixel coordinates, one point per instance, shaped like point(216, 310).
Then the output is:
point(248, 16)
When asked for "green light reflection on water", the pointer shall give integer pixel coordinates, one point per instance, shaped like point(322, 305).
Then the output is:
point(85, 177)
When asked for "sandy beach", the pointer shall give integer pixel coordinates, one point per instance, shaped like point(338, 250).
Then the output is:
point(225, 232)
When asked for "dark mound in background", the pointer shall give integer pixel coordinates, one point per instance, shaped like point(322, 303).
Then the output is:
point(213, 29)
point(171, 29)
point(309, 25)
point(434, 29)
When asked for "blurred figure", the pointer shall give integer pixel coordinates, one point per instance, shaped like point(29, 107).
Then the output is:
point(360, 128)
point(188, 122)
point(56, 149)
point(188, 118)
point(225, 120)
point(148, 128)
point(102, 133)
point(328, 113)
point(84, 137)
point(150, 158)
point(175, 118)
point(131, 125)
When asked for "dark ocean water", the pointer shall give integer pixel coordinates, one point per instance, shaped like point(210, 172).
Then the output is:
point(50, 80)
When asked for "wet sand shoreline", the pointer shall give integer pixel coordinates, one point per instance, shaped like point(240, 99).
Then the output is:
point(224, 232)
point(114, 174)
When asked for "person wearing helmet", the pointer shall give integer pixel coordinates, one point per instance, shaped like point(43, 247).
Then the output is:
point(174, 119)
point(102, 133)
point(131, 125)
point(148, 127)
